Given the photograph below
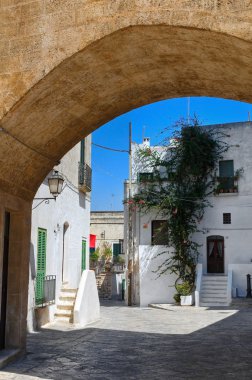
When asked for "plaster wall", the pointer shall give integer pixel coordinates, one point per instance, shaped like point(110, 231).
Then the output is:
point(72, 207)
point(154, 289)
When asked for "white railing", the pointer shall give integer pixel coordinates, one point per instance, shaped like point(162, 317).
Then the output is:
point(229, 286)
point(198, 284)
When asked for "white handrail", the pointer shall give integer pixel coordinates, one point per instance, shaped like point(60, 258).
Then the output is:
point(198, 284)
point(229, 286)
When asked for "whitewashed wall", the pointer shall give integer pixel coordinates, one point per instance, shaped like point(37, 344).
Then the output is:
point(237, 235)
point(240, 272)
point(154, 288)
point(72, 207)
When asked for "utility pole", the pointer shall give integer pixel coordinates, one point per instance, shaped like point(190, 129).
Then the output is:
point(188, 110)
point(130, 227)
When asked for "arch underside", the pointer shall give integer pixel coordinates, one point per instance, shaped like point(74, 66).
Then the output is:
point(125, 70)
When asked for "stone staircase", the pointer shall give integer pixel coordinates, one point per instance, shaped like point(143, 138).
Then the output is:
point(65, 305)
point(214, 291)
point(104, 285)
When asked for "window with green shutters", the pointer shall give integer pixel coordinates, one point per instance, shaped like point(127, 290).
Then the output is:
point(83, 255)
point(41, 265)
point(117, 249)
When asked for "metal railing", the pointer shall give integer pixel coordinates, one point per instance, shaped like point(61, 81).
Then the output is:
point(85, 177)
point(48, 286)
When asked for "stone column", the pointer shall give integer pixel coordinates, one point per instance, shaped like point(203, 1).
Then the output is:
point(18, 267)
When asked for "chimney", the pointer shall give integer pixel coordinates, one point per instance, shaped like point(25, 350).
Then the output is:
point(146, 141)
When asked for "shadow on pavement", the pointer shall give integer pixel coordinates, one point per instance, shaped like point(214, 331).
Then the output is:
point(222, 350)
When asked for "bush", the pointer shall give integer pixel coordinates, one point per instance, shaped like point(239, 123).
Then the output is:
point(184, 289)
point(118, 260)
point(94, 256)
point(176, 297)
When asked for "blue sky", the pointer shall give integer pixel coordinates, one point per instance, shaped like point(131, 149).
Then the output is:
point(110, 169)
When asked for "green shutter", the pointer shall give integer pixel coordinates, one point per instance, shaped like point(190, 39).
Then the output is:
point(116, 249)
point(41, 265)
point(82, 151)
point(83, 255)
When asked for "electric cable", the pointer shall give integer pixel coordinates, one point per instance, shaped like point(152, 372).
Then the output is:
point(112, 149)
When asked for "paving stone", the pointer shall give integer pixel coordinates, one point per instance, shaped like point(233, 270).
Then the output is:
point(133, 343)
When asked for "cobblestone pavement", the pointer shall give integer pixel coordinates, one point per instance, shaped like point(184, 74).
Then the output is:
point(133, 343)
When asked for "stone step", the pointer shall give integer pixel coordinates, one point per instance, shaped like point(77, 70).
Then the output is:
point(214, 281)
point(214, 285)
point(213, 294)
point(66, 302)
point(213, 299)
point(67, 299)
point(63, 313)
point(213, 288)
point(68, 290)
point(64, 319)
point(213, 304)
point(65, 307)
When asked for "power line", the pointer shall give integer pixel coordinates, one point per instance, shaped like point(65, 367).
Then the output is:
point(112, 149)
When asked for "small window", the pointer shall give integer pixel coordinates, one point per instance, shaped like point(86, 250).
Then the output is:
point(159, 232)
point(227, 218)
point(145, 177)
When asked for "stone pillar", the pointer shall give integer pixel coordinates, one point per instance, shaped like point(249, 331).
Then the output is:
point(18, 267)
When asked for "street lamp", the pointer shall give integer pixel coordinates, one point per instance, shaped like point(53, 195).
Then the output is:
point(55, 183)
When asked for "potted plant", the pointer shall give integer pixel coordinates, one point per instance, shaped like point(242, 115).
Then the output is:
point(186, 294)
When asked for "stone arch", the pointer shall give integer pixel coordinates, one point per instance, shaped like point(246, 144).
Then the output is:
point(127, 69)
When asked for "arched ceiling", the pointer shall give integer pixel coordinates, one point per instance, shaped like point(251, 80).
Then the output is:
point(124, 70)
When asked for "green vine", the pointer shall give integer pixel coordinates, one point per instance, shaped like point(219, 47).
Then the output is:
point(183, 178)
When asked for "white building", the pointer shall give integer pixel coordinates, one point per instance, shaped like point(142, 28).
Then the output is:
point(225, 253)
point(60, 237)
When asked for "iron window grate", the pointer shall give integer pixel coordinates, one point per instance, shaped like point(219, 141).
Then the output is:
point(226, 218)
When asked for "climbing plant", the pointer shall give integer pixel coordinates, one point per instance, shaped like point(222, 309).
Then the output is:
point(183, 178)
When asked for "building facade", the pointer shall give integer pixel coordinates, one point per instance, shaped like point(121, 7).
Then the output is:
point(225, 254)
point(108, 226)
point(107, 230)
point(59, 248)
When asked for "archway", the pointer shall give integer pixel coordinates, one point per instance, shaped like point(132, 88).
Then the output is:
point(86, 90)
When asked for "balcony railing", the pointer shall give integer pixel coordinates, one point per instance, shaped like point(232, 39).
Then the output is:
point(46, 294)
point(85, 177)
point(227, 185)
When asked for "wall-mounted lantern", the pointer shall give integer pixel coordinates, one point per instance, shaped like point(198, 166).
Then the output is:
point(55, 182)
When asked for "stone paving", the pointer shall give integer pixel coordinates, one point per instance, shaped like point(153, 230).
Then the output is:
point(134, 343)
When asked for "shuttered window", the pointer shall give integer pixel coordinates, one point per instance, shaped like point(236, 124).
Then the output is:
point(83, 255)
point(41, 265)
point(117, 249)
point(226, 171)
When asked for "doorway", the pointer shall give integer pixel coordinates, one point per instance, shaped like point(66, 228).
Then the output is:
point(4, 279)
point(65, 250)
point(215, 254)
